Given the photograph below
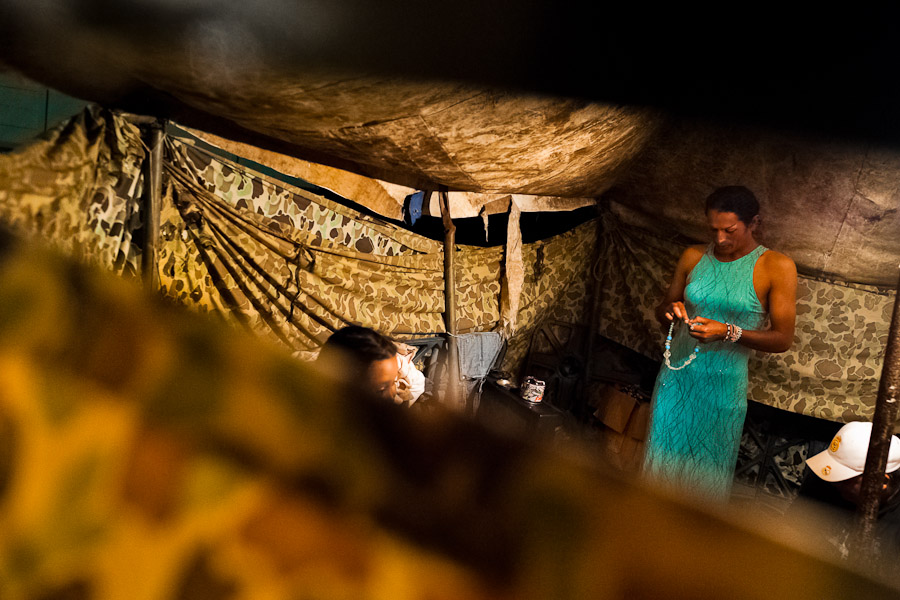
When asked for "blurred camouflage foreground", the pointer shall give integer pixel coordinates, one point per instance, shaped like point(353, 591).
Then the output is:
point(147, 452)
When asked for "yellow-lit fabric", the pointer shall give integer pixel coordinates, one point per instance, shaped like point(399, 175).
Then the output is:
point(289, 264)
point(294, 266)
point(79, 190)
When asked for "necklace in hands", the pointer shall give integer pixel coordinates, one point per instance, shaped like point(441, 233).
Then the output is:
point(668, 353)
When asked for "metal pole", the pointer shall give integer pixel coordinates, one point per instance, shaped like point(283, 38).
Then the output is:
point(880, 443)
point(453, 378)
point(152, 208)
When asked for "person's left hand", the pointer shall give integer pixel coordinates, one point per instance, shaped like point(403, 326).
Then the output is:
point(707, 330)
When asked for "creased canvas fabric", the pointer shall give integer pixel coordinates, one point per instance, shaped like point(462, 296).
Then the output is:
point(292, 265)
point(286, 263)
point(279, 260)
point(79, 190)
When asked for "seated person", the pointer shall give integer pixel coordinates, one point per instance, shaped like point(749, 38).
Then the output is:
point(384, 366)
point(834, 478)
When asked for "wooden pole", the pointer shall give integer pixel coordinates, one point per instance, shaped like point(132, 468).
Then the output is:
point(453, 379)
point(152, 207)
point(886, 406)
point(593, 320)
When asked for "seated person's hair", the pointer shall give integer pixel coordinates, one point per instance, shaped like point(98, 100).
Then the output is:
point(362, 344)
point(354, 349)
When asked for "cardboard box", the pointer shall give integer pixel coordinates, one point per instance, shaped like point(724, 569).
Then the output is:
point(614, 408)
point(623, 452)
point(639, 422)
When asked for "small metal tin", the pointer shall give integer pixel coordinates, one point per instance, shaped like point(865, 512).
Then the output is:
point(532, 389)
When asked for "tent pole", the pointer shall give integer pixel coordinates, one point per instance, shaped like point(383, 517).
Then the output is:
point(593, 318)
point(152, 208)
point(880, 442)
point(453, 395)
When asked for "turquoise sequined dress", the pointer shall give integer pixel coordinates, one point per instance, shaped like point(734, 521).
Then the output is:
point(698, 412)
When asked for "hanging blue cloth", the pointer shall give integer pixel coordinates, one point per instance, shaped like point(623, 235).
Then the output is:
point(477, 353)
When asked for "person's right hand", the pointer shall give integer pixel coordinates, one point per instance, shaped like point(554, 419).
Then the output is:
point(677, 310)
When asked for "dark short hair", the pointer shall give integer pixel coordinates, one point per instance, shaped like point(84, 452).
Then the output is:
point(360, 344)
point(735, 199)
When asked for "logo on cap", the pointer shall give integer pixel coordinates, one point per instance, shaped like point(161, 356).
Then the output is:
point(835, 443)
point(826, 469)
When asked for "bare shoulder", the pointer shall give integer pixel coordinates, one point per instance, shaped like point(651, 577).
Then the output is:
point(778, 266)
point(777, 260)
point(691, 256)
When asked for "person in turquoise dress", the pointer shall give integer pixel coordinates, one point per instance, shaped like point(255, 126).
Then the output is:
point(725, 299)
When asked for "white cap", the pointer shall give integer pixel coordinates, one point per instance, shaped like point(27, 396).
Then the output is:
point(846, 455)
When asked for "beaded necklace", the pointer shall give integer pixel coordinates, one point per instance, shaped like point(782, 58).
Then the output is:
point(668, 353)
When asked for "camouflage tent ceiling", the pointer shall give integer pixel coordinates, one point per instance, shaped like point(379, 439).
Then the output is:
point(498, 100)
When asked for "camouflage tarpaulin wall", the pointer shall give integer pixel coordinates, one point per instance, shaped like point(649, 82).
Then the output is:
point(294, 265)
point(79, 190)
point(288, 263)
point(556, 271)
point(833, 368)
point(280, 260)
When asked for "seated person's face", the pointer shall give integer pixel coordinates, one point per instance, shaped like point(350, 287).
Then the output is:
point(383, 377)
